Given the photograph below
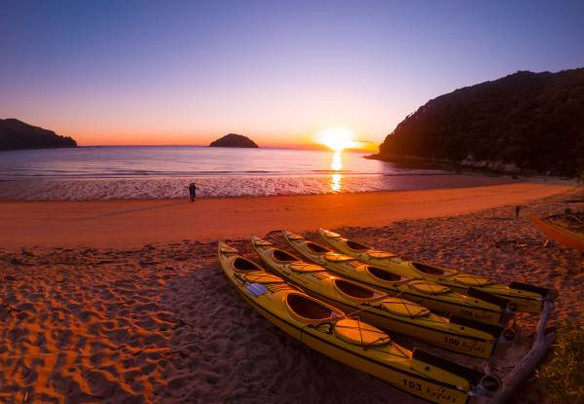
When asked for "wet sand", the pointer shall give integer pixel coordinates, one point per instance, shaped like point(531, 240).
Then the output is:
point(159, 322)
point(131, 223)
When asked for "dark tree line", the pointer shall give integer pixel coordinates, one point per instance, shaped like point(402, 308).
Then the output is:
point(534, 120)
point(15, 134)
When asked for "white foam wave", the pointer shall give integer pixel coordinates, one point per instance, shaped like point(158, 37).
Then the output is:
point(213, 187)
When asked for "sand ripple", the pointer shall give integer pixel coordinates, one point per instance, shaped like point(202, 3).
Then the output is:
point(162, 324)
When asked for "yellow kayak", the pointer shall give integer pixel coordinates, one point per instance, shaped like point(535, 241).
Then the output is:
point(331, 332)
point(378, 308)
point(481, 307)
point(525, 298)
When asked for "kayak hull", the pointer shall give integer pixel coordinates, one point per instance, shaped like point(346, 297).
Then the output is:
point(449, 302)
point(409, 319)
point(562, 236)
point(408, 382)
point(432, 379)
point(524, 300)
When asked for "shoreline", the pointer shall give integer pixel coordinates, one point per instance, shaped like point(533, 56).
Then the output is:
point(132, 223)
point(240, 185)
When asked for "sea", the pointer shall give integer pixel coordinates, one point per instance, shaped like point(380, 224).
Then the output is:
point(161, 172)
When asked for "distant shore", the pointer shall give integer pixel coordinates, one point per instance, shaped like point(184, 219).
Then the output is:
point(485, 167)
point(133, 223)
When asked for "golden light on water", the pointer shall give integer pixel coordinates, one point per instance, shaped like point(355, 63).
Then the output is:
point(336, 165)
point(336, 182)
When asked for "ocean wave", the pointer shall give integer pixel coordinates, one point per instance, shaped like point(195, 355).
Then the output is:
point(217, 187)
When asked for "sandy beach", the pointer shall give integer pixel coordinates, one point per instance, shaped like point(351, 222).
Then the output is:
point(124, 301)
point(132, 223)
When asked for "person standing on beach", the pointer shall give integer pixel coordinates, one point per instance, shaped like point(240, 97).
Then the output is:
point(193, 191)
point(517, 210)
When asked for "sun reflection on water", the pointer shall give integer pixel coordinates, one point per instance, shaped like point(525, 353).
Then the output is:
point(336, 165)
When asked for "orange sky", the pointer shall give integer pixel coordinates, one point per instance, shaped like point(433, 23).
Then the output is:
point(175, 134)
point(113, 72)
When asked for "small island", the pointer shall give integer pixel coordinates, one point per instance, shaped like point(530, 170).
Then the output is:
point(234, 140)
point(15, 135)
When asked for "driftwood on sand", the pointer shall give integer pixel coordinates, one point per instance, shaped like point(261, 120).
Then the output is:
point(526, 367)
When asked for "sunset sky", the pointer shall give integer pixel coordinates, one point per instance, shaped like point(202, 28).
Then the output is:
point(137, 72)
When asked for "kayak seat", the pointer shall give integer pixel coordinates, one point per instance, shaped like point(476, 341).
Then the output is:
point(430, 288)
point(317, 248)
point(428, 269)
point(357, 246)
point(356, 291)
point(243, 265)
point(301, 266)
point(336, 257)
point(283, 256)
point(404, 308)
point(472, 280)
point(359, 333)
point(309, 310)
point(380, 254)
point(383, 274)
point(262, 277)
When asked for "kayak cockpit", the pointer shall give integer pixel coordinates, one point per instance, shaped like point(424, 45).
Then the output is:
point(357, 246)
point(317, 248)
point(241, 264)
point(356, 291)
point(309, 310)
point(431, 269)
point(383, 275)
point(283, 256)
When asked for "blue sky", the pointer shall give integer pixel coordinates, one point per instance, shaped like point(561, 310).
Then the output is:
point(170, 72)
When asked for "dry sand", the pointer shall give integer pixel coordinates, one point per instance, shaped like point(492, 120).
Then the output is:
point(159, 323)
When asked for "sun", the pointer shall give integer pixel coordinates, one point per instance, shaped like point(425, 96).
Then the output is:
point(337, 139)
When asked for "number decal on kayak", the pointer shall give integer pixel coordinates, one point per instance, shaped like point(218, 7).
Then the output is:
point(412, 385)
point(452, 341)
point(439, 394)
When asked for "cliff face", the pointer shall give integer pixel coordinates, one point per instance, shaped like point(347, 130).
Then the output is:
point(15, 134)
point(527, 120)
point(234, 140)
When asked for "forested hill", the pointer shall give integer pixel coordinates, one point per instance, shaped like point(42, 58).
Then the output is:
point(15, 134)
point(528, 121)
